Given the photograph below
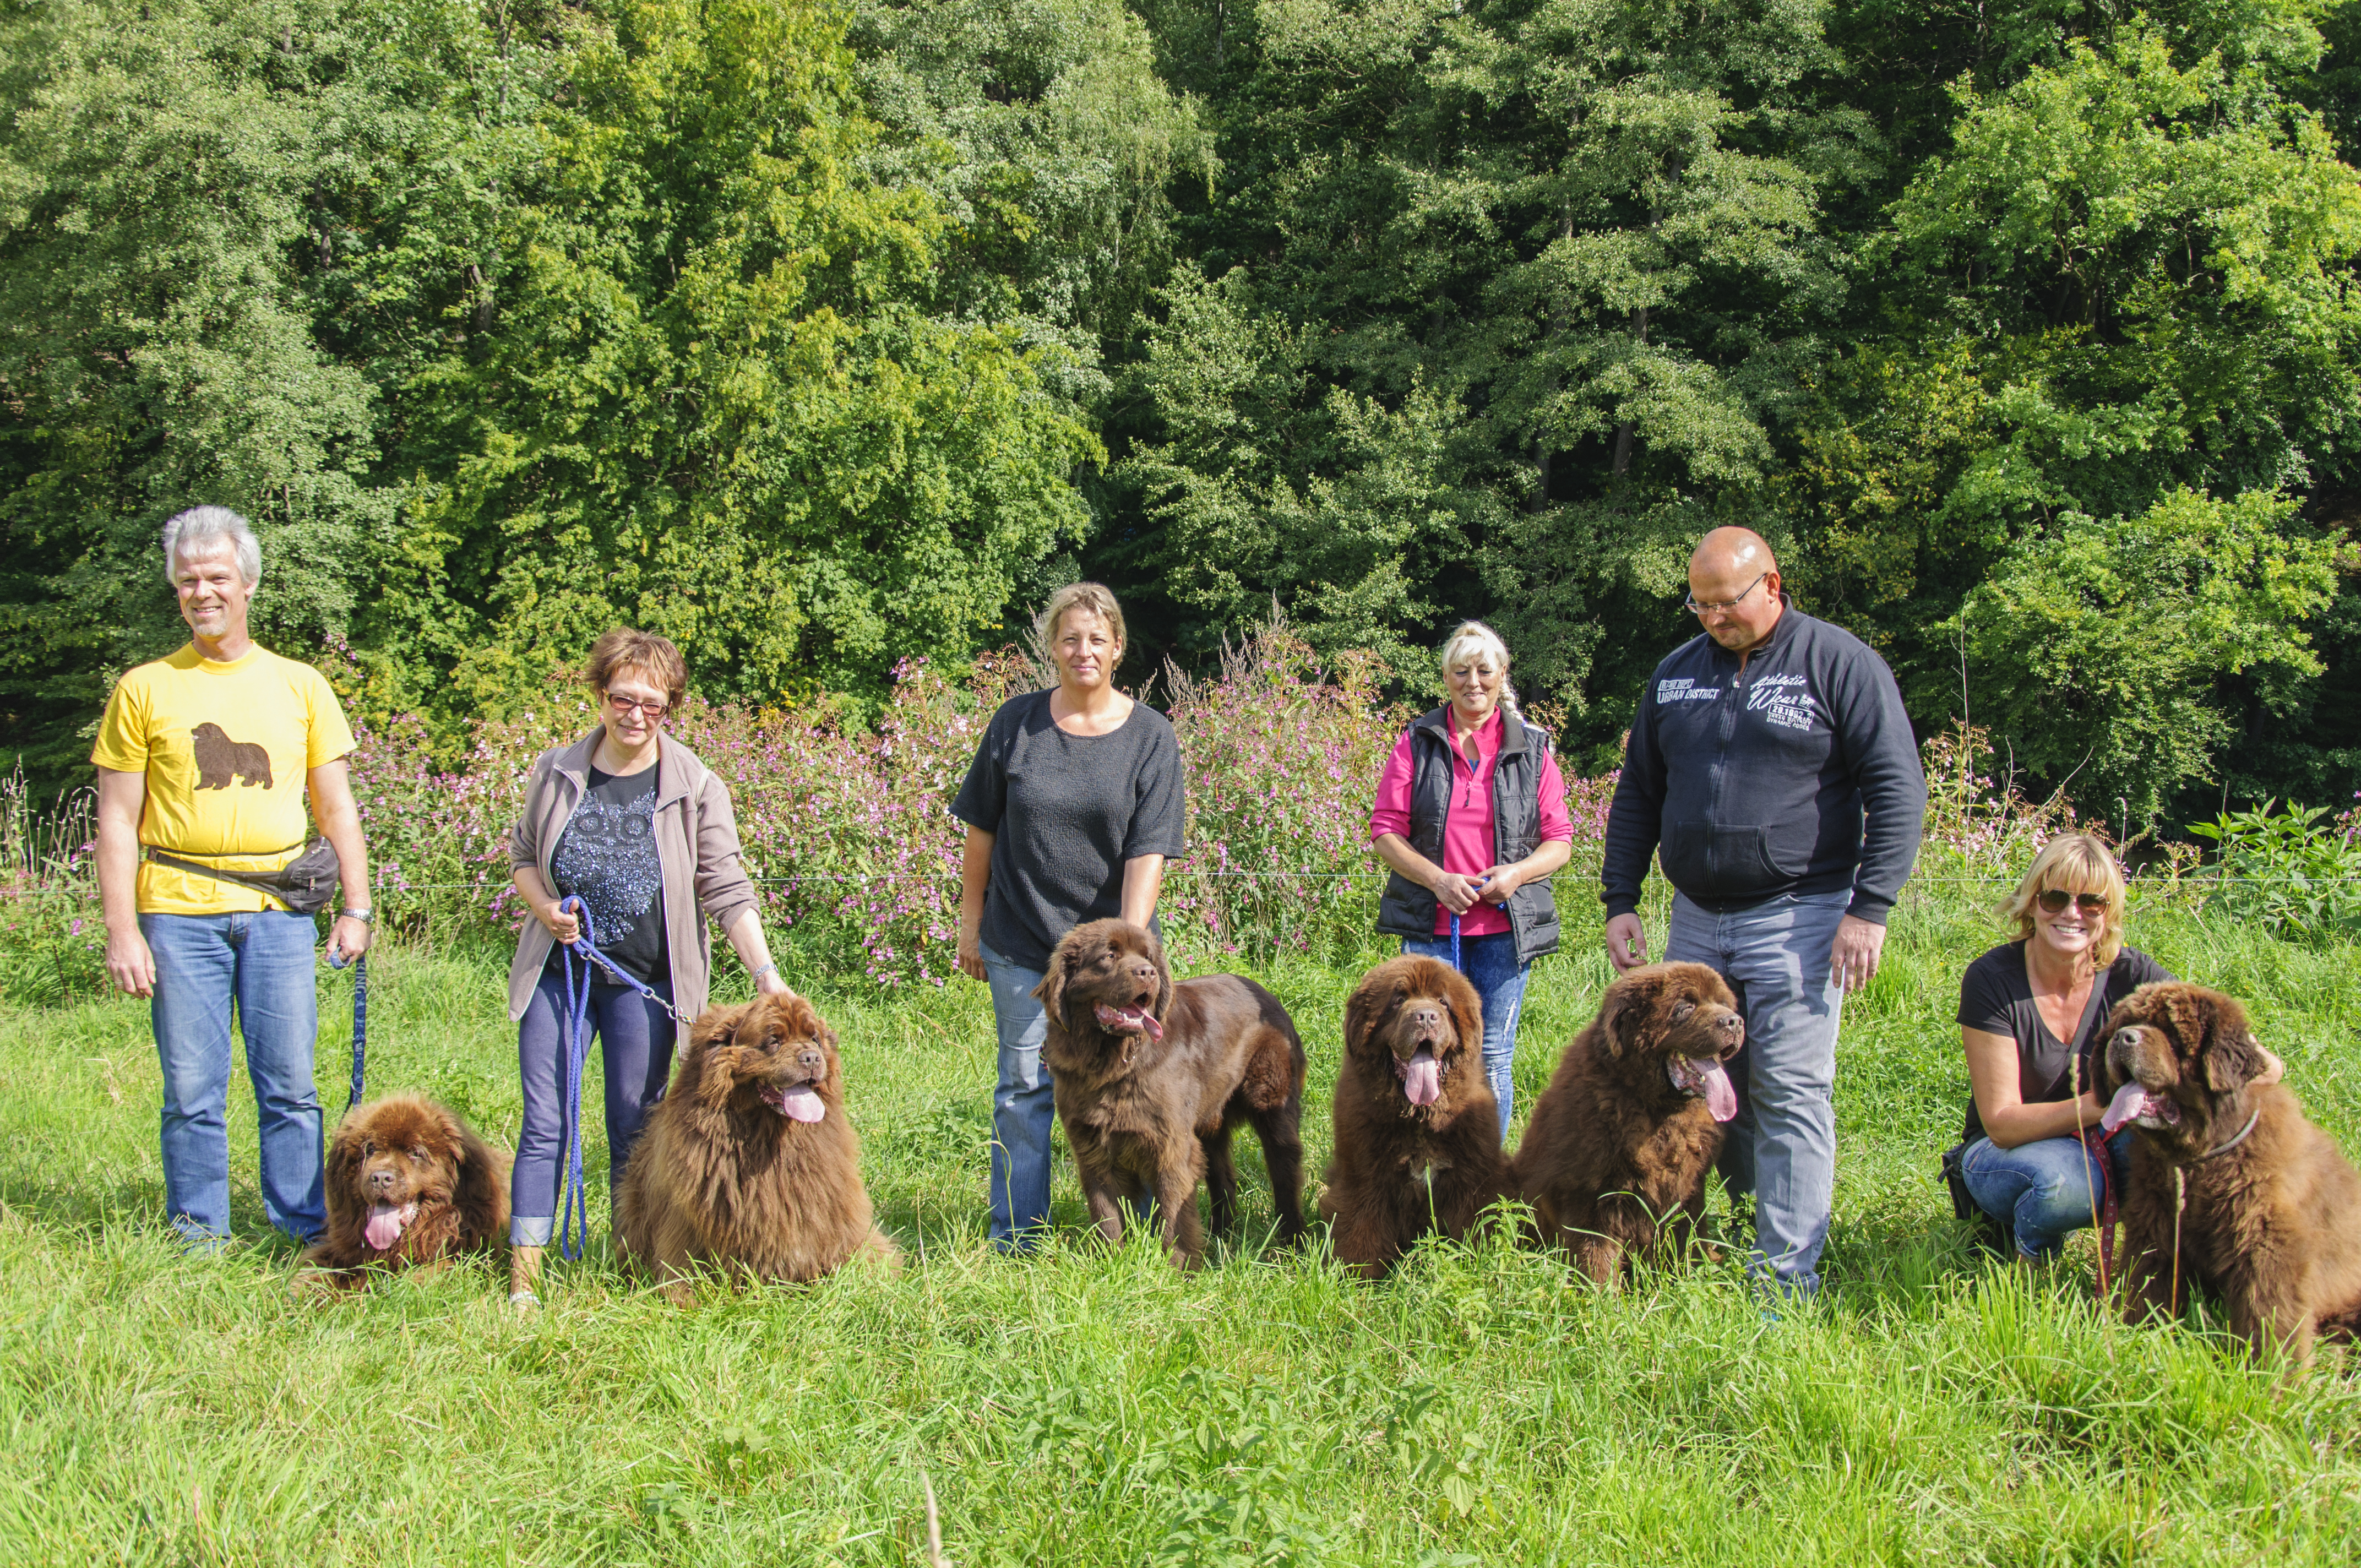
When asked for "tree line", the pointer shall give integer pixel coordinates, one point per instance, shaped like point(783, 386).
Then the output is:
point(820, 336)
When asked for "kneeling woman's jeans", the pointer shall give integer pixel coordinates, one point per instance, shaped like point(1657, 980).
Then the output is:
point(2041, 1190)
point(1491, 967)
point(635, 1039)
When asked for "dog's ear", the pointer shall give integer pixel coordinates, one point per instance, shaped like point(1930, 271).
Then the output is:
point(344, 1165)
point(1467, 1010)
point(2232, 1057)
point(1621, 1014)
point(718, 1026)
point(706, 1066)
point(1163, 976)
point(1364, 1008)
point(1052, 988)
point(483, 1189)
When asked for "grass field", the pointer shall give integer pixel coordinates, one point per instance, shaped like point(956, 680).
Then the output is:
point(1088, 1407)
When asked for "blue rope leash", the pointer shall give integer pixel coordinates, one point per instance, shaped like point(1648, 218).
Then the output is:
point(577, 961)
point(360, 1020)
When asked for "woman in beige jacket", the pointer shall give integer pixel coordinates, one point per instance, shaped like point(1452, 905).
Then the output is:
point(630, 822)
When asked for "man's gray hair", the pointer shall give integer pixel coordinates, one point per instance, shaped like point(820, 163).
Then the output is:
point(200, 528)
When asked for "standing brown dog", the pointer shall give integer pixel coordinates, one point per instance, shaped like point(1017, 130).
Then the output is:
point(2271, 1221)
point(1418, 1132)
point(410, 1186)
point(1629, 1125)
point(1152, 1077)
point(749, 1164)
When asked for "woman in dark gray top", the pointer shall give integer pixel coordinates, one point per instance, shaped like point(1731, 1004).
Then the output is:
point(2032, 1012)
point(1072, 805)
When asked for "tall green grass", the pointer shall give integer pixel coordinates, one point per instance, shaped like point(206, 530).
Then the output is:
point(1095, 1406)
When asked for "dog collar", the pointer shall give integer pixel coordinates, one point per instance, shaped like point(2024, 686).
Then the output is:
point(2234, 1143)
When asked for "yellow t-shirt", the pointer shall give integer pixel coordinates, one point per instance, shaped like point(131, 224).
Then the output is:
point(225, 748)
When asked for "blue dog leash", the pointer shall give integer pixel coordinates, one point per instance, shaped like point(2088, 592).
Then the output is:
point(361, 1021)
point(576, 962)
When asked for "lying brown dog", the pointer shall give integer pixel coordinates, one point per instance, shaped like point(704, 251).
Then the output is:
point(2272, 1218)
point(1622, 1137)
point(1152, 1077)
point(408, 1186)
point(1418, 1132)
point(749, 1164)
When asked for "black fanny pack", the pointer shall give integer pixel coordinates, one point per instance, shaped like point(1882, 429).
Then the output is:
point(305, 885)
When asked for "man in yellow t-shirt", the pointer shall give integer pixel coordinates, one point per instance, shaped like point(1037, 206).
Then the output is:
point(209, 755)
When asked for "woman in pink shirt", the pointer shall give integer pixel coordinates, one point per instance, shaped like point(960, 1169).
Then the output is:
point(1471, 816)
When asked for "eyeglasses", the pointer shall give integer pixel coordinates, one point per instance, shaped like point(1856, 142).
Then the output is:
point(624, 707)
point(2054, 900)
point(1713, 605)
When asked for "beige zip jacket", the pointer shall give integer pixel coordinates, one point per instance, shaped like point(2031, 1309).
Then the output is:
point(697, 845)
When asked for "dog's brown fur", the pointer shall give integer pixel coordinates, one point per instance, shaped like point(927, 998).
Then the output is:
point(1149, 1119)
point(1614, 1151)
point(2271, 1226)
point(1401, 1170)
point(723, 1178)
point(221, 762)
point(406, 1149)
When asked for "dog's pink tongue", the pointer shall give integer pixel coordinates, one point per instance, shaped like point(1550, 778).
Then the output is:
point(1422, 1078)
point(803, 1103)
point(384, 1227)
point(1721, 1097)
point(2128, 1102)
point(1148, 1020)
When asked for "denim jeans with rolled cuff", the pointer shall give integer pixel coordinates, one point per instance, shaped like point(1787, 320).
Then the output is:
point(1024, 1108)
point(259, 966)
point(635, 1040)
point(1782, 1146)
point(1491, 967)
point(2040, 1191)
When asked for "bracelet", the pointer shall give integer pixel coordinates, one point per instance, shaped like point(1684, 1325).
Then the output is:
point(366, 917)
point(767, 969)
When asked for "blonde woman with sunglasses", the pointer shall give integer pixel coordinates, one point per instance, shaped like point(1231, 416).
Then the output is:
point(629, 821)
point(2032, 1012)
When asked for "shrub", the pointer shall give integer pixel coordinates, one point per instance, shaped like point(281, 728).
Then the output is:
point(2294, 872)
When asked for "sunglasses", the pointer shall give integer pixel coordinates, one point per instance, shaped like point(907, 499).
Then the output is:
point(2054, 900)
point(624, 705)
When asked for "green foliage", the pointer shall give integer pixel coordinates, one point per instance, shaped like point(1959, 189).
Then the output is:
point(2097, 647)
point(2293, 873)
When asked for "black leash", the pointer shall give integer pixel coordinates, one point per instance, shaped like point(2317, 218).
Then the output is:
point(360, 1023)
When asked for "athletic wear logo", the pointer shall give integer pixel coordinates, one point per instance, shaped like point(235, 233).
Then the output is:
point(1685, 691)
point(221, 759)
point(1783, 701)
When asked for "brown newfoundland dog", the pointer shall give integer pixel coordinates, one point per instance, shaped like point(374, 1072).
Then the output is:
point(2271, 1222)
point(1418, 1132)
point(749, 1165)
point(1629, 1125)
point(410, 1186)
point(1151, 1078)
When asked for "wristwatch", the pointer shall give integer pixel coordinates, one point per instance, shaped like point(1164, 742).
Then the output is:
point(366, 917)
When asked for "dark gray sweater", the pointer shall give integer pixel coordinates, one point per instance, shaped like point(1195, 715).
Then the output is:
point(1066, 812)
point(1756, 785)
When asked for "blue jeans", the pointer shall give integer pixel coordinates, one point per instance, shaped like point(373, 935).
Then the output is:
point(635, 1039)
point(1783, 1146)
point(1024, 1109)
point(1491, 967)
point(2041, 1190)
point(261, 963)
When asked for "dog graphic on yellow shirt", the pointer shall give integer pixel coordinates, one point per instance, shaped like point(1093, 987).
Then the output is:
point(221, 759)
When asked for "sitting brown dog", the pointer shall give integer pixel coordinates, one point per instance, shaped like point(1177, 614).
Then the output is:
point(1151, 1078)
point(408, 1186)
point(1629, 1125)
point(2265, 1212)
point(749, 1165)
point(1418, 1132)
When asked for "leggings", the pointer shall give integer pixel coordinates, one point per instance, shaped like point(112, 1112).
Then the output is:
point(635, 1041)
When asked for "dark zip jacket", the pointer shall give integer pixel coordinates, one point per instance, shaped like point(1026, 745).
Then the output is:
point(1755, 784)
point(1407, 909)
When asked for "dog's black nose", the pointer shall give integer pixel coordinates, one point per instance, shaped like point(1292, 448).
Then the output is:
point(1429, 1017)
point(809, 1059)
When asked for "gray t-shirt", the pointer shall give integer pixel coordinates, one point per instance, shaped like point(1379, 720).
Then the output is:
point(1066, 812)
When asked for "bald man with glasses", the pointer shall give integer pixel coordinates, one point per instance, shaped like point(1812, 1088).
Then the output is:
point(1772, 770)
